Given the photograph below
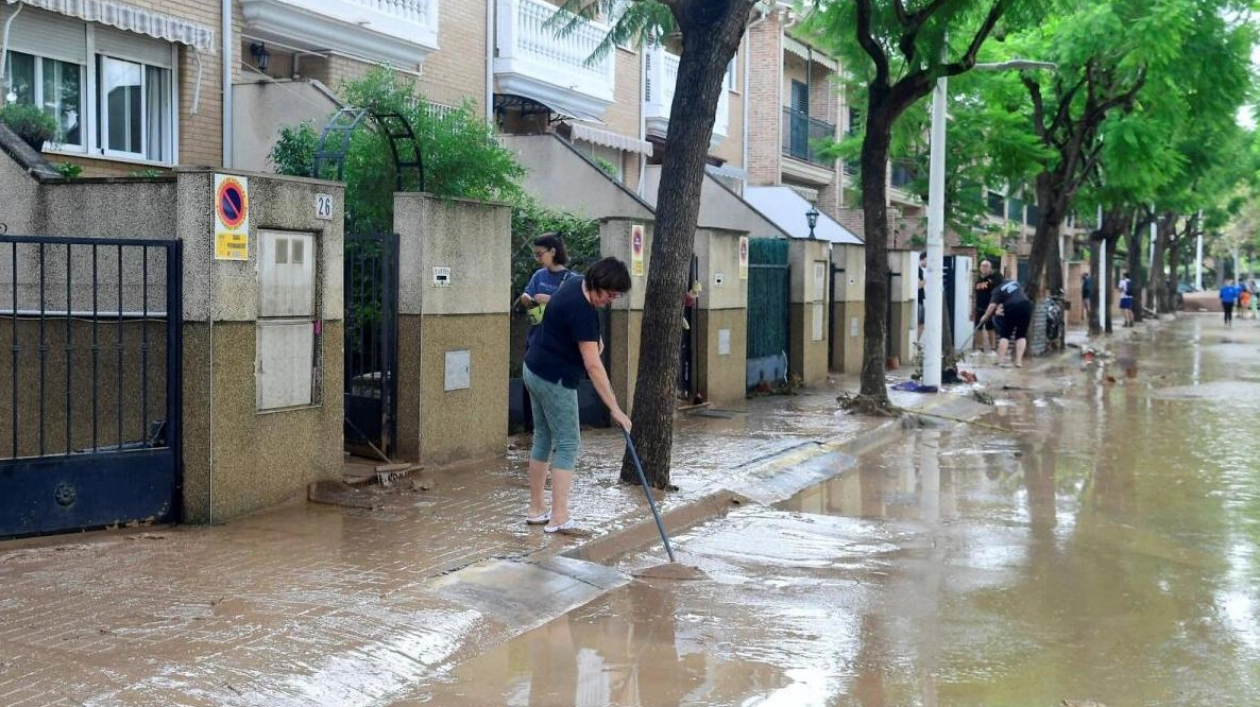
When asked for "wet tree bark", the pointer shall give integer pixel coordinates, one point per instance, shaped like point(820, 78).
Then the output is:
point(1096, 296)
point(711, 32)
point(1134, 266)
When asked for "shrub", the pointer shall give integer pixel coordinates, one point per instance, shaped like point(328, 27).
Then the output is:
point(31, 123)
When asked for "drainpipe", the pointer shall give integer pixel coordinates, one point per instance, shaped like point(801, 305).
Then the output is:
point(4, 50)
point(227, 83)
point(490, 43)
point(747, 76)
point(642, 122)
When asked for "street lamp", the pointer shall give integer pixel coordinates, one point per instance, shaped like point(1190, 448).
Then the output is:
point(811, 217)
point(934, 276)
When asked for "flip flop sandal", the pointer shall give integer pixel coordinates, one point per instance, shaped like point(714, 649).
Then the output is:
point(569, 527)
point(541, 519)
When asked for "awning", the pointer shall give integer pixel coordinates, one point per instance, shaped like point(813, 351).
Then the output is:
point(624, 143)
point(804, 51)
point(786, 209)
point(132, 19)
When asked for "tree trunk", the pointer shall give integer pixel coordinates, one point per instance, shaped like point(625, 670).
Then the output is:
point(1113, 240)
point(1168, 289)
point(711, 33)
point(1164, 233)
point(1096, 297)
point(1134, 238)
point(874, 166)
point(1044, 262)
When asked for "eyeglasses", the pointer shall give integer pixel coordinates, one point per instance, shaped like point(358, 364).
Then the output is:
point(616, 295)
point(538, 254)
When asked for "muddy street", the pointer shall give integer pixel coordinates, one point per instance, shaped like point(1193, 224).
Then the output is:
point(1095, 539)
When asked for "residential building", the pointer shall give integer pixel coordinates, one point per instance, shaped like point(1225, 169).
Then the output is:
point(133, 84)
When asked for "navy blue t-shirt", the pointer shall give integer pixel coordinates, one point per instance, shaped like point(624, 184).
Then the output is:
point(1009, 293)
point(553, 354)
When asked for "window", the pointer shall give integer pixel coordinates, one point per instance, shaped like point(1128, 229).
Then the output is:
point(56, 86)
point(112, 93)
point(730, 73)
point(134, 109)
point(800, 97)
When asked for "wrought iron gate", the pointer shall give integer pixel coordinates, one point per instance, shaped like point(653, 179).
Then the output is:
point(91, 379)
point(769, 296)
point(371, 350)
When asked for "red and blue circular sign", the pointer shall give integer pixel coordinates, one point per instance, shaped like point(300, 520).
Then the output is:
point(231, 203)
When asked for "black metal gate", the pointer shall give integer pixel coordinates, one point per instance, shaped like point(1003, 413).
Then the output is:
point(769, 311)
point(371, 350)
point(91, 379)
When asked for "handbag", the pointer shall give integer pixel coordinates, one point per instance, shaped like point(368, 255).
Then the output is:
point(536, 312)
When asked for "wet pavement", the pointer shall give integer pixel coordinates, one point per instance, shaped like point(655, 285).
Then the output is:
point(1096, 539)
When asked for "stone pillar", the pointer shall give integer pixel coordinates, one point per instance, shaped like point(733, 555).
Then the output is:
point(453, 328)
point(903, 295)
point(808, 331)
point(848, 307)
point(722, 321)
point(617, 238)
point(237, 457)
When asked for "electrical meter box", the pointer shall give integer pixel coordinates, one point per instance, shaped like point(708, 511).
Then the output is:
point(286, 364)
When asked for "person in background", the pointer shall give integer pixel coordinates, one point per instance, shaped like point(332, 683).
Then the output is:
point(550, 253)
point(922, 308)
point(1229, 297)
point(1244, 300)
point(1015, 309)
point(1126, 299)
point(565, 351)
point(1255, 296)
point(1087, 292)
point(986, 284)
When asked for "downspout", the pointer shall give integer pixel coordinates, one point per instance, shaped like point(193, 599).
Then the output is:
point(228, 55)
point(491, 40)
point(4, 50)
point(747, 77)
point(642, 123)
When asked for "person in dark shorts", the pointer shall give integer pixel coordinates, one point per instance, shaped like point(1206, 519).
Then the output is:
point(985, 285)
point(1087, 293)
point(1016, 311)
point(1126, 299)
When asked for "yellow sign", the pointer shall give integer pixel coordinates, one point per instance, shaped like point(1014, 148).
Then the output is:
point(743, 258)
point(636, 250)
point(231, 217)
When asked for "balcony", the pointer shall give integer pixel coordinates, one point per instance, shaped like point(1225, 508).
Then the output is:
point(659, 85)
point(534, 61)
point(801, 135)
point(399, 32)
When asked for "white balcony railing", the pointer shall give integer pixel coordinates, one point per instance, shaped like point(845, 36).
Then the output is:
point(535, 60)
point(660, 83)
point(400, 32)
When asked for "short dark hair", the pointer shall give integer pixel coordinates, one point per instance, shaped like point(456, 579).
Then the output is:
point(552, 241)
point(609, 275)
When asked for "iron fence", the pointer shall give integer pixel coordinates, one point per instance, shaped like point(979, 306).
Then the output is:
point(803, 136)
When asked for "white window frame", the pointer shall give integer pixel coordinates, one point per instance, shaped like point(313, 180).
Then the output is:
point(93, 121)
point(732, 70)
point(37, 96)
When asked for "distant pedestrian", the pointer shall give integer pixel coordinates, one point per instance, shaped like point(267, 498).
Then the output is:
point(1126, 299)
point(566, 350)
point(1229, 297)
point(1087, 293)
point(986, 284)
point(922, 309)
point(1015, 309)
point(1255, 296)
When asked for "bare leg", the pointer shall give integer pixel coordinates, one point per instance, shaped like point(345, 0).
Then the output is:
point(561, 484)
point(537, 482)
point(1020, 346)
point(1001, 350)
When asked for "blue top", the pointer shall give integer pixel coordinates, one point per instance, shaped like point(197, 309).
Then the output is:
point(546, 282)
point(1229, 293)
point(1009, 293)
point(553, 354)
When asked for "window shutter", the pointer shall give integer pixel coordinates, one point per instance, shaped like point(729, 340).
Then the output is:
point(48, 35)
point(800, 97)
point(134, 47)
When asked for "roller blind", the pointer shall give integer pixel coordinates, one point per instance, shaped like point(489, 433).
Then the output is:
point(126, 45)
point(47, 35)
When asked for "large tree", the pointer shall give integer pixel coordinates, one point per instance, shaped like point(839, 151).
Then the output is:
point(710, 33)
point(901, 47)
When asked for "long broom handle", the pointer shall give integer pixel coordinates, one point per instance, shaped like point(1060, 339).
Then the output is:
point(638, 466)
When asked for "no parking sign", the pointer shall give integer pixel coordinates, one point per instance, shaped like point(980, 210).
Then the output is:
point(231, 217)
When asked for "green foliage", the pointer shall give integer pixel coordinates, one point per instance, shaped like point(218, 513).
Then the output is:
point(149, 173)
point(30, 122)
point(630, 23)
point(69, 170)
point(606, 167)
point(461, 157)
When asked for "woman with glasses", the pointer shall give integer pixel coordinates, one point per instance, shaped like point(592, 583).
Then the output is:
point(550, 253)
point(565, 350)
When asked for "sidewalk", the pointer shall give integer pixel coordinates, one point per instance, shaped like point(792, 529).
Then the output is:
point(343, 605)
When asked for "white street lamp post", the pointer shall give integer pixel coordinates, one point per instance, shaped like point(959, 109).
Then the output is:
point(934, 275)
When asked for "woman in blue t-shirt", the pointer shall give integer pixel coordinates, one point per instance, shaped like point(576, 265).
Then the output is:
point(1229, 296)
point(565, 351)
point(550, 253)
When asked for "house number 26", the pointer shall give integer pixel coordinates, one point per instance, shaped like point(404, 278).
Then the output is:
point(323, 207)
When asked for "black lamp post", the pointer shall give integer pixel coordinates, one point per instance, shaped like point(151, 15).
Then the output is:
point(812, 217)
